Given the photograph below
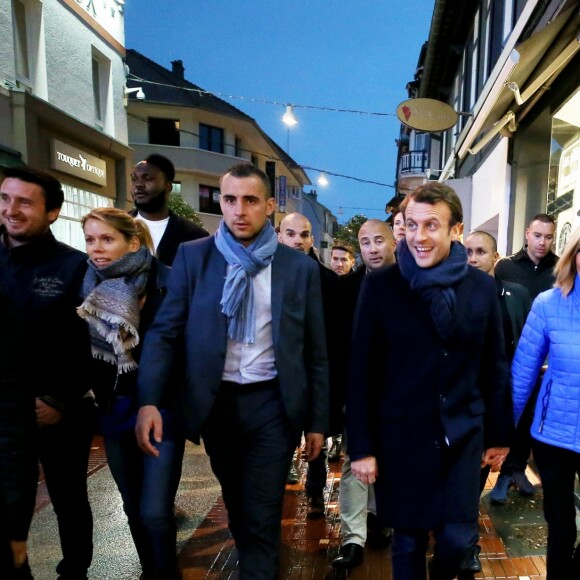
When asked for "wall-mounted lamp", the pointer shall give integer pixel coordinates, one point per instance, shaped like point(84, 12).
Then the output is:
point(139, 94)
point(288, 118)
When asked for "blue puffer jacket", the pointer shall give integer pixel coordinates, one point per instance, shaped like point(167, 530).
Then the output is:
point(552, 328)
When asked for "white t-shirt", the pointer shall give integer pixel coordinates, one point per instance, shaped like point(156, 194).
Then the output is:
point(156, 228)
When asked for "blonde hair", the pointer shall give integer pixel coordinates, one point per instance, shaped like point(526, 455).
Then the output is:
point(123, 223)
point(565, 270)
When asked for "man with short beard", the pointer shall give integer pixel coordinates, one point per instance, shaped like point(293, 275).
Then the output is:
point(151, 185)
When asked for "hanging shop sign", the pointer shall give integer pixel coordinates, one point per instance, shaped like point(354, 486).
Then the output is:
point(427, 115)
point(75, 161)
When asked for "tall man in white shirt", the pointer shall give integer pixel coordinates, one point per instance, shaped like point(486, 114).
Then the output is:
point(244, 313)
point(151, 185)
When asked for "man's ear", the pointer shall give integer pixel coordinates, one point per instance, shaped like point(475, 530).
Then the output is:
point(53, 214)
point(270, 206)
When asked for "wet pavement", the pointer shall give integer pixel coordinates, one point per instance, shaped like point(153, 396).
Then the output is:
point(512, 536)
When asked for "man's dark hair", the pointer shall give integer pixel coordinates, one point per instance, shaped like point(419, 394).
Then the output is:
point(487, 236)
point(242, 170)
point(344, 246)
point(433, 193)
point(51, 187)
point(163, 164)
point(544, 218)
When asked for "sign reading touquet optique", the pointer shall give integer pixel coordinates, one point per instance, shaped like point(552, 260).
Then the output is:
point(74, 161)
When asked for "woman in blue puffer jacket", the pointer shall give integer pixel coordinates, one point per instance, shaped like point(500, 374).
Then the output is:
point(553, 329)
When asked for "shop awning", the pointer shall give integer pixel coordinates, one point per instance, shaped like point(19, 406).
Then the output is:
point(535, 63)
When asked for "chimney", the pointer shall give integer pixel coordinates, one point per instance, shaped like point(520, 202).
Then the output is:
point(177, 68)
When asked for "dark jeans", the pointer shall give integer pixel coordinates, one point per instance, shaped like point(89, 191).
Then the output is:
point(410, 546)
point(558, 468)
point(18, 469)
point(148, 485)
point(64, 454)
point(250, 444)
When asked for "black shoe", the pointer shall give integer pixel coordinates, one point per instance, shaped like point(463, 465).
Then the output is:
point(471, 561)
point(524, 485)
point(293, 475)
point(316, 507)
point(499, 493)
point(350, 556)
point(378, 537)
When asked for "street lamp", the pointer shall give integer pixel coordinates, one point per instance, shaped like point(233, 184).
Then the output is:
point(322, 180)
point(289, 120)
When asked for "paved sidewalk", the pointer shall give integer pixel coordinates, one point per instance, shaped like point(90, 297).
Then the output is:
point(206, 548)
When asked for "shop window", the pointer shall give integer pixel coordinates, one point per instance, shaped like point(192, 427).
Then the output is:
point(164, 131)
point(209, 200)
point(77, 203)
point(211, 138)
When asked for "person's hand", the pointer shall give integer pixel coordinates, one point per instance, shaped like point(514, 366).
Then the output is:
point(313, 445)
point(494, 457)
point(365, 470)
point(46, 415)
point(149, 421)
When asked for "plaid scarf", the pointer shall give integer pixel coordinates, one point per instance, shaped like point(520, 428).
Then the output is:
point(111, 307)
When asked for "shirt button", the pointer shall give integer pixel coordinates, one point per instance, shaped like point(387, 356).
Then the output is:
point(436, 443)
point(442, 399)
point(445, 353)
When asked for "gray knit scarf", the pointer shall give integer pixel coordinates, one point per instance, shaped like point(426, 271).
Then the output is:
point(111, 307)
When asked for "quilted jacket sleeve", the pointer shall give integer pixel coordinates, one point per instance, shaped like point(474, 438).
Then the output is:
point(530, 354)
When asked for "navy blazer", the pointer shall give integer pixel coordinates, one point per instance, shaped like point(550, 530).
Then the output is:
point(190, 323)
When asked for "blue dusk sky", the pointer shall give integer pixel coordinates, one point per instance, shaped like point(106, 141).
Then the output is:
point(323, 53)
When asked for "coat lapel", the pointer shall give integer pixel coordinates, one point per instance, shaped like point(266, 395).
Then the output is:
point(277, 290)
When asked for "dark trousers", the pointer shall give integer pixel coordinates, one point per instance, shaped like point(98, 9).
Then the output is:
point(558, 468)
point(64, 454)
point(250, 444)
point(316, 474)
point(18, 469)
point(451, 542)
point(148, 485)
point(517, 458)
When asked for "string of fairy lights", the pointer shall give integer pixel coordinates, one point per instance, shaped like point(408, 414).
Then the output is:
point(288, 118)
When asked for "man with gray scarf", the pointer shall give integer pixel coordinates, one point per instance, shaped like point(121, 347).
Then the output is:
point(244, 313)
point(429, 377)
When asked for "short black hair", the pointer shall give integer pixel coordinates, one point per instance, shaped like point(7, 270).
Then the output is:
point(242, 170)
point(51, 187)
point(432, 193)
point(163, 164)
point(544, 218)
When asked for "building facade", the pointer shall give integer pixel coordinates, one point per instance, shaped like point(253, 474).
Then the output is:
point(62, 101)
point(510, 68)
point(203, 136)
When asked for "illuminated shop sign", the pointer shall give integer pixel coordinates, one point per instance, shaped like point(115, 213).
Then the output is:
point(74, 161)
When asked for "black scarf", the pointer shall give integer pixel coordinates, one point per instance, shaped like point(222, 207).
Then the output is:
point(435, 285)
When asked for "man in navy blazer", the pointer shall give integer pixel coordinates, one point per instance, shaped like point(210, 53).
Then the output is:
point(244, 315)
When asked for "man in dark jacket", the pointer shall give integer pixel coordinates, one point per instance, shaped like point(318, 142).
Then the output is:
point(533, 268)
point(151, 185)
point(428, 376)
point(41, 281)
point(515, 304)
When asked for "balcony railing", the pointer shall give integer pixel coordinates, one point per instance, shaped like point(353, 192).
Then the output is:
point(414, 161)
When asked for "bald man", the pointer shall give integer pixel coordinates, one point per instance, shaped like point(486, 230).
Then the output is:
point(358, 512)
point(296, 232)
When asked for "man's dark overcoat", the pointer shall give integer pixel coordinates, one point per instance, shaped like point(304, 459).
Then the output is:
point(420, 403)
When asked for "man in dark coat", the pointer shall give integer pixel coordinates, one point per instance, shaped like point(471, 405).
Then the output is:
point(151, 185)
point(429, 375)
point(245, 312)
point(533, 268)
point(40, 282)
